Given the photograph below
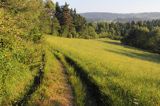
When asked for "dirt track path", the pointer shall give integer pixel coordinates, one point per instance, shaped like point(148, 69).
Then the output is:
point(55, 90)
point(67, 95)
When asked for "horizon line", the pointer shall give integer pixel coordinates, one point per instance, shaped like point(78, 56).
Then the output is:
point(118, 12)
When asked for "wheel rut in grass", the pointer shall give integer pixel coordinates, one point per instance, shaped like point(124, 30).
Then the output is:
point(93, 90)
point(36, 83)
point(94, 97)
point(60, 92)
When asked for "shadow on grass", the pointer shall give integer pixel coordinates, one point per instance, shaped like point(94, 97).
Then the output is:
point(147, 56)
point(142, 56)
point(111, 42)
point(36, 83)
point(94, 93)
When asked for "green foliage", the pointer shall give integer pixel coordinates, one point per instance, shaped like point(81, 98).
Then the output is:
point(103, 35)
point(49, 5)
point(142, 37)
point(142, 34)
point(14, 66)
point(19, 48)
point(110, 30)
point(21, 18)
point(71, 23)
point(88, 33)
point(137, 36)
point(35, 35)
point(67, 21)
point(78, 21)
point(56, 26)
point(154, 40)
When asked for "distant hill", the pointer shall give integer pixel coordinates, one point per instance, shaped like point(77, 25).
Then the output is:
point(103, 16)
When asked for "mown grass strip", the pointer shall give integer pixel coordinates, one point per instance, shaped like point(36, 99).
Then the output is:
point(74, 81)
point(54, 89)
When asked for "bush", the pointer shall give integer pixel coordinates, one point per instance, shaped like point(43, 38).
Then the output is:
point(88, 33)
point(154, 40)
point(137, 37)
point(35, 35)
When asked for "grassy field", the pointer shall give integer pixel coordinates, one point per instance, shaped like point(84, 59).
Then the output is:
point(127, 76)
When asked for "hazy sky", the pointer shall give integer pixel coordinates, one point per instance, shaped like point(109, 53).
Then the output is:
point(118, 6)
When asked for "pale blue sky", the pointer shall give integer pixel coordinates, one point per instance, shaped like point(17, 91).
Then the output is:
point(117, 6)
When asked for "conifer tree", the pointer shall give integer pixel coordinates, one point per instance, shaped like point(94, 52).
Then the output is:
point(67, 21)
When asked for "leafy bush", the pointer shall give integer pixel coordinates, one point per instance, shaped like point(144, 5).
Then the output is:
point(19, 34)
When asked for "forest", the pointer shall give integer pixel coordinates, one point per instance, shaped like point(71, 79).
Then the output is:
point(141, 34)
point(32, 33)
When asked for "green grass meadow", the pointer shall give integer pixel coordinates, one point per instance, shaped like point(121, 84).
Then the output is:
point(128, 76)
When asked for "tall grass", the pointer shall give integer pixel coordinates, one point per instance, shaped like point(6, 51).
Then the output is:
point(128, 75)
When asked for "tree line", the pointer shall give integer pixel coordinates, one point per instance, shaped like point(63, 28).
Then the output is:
point(29, 20)
point(141, 34)
point(68, 23)
point(144, 35)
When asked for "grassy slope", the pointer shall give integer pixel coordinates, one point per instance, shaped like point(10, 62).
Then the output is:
point(128, 75)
